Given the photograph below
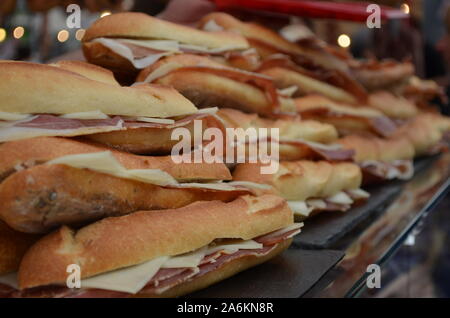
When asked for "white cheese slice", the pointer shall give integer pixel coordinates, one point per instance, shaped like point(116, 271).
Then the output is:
point(125, 52)
point(10, 133)
point(162, 71)
point(288, 91)
point(212, 26)
point(129, 280)
point(10, 280)
point(300, 208)
point(340, 198)
point(13, 116)
point(206, 50)
point(156, 120)
point(160, 45)
point(209, 110)
point(191, 259)
point(234, 247)
point(105, 162)
point(95, 114)
point(358, 193)
point(294, 226)
point(316, 203)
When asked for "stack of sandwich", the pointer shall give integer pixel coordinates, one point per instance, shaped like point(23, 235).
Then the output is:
point(89, 178)
point(218, 68)
point(93, 203)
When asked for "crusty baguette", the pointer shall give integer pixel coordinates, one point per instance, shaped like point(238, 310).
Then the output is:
point(314, 101)
point(13, 245)
point(378, 149)
point(268, 42)
point(425, 132)
point(43, 197)
point(391, 105)
point(90, 71)
point(300, 180)
point(142, 26)
point(292, 129)
point(98, 54)
point(284, 78)
point(16, 155)
point(288, 128)
point(207, 89)
point(376, 75)
point(146, 235)
point(58, 91)
point(225, 271)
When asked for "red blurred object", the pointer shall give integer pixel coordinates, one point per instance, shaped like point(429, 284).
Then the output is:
point(314, 9)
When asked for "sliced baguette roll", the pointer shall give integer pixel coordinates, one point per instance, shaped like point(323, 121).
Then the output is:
point(40, 198)
point(301, 180)
point(22, 154)
point(392, 106)
point(373, 148)
point(284, 78)
point(135, 25)
point(119, 242)
point(55, 90)
point(226, 270)
point(426, 132)
point(288, 128)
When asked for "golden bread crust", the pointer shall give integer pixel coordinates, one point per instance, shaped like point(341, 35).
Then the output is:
point(58, 91)
point(146, 235)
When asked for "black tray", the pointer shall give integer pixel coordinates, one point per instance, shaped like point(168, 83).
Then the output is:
point(291, 274)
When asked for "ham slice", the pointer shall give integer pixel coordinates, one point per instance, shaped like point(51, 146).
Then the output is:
point(302, 65)
point(52, 125)
point(324, 153)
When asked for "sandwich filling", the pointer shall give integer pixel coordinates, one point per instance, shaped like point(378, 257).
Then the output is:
point(341, 201)
point(23, 126)
point(260, 81)
point(397, 169)
point(159, 275)
point(143, 53)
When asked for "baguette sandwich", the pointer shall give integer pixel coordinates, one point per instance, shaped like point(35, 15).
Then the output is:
point(347, 119)
point(309, 186)
point(381, 159)
point(76, 99)
point(128, 42)
point(313, 63)
point(208, 83)
point(157, 253)
point(297, 139)
point(50, 181)
point(429, 133)
point(13, 246)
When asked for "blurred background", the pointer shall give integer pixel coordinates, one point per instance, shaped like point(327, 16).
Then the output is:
point(36, 30)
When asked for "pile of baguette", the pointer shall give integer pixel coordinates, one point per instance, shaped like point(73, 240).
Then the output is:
point(95, 203)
